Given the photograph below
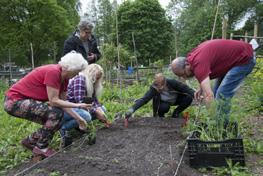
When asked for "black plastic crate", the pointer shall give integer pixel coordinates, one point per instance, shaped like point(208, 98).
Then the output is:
point(209, 154)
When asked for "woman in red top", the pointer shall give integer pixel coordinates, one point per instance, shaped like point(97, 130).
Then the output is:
point(41, 97)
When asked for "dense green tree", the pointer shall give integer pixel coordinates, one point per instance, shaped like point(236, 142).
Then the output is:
point(152, 31)
point(105, 20)
point(45, 24)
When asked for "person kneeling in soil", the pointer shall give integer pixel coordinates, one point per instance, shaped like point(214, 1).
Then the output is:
point(165, 93)
point(85, 87)
point(41, 97)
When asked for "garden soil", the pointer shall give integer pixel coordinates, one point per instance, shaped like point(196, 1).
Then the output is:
point(149, 146)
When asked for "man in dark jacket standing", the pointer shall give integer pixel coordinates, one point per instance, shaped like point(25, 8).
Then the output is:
point(82, 41)
point(165, 93)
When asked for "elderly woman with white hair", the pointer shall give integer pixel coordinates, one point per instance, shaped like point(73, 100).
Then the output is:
point(86, 87)
point(41, 97)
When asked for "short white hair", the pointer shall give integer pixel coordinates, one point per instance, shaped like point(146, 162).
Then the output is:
point(73, 61)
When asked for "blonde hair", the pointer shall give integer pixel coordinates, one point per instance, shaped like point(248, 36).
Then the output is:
point(92, 84)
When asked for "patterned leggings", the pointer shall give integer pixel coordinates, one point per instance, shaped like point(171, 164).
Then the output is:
point(39, 112)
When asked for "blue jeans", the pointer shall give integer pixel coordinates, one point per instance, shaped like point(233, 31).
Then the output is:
point(68, 122)
point(226, 87)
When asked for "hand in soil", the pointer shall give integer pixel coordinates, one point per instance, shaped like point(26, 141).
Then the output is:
point(37, 158)
point(107, 124)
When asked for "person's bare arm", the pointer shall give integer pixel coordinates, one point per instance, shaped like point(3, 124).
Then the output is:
point(206, 88)
point(54, 100)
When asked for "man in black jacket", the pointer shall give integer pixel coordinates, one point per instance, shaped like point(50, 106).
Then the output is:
point(82, 41)
point(165, 93)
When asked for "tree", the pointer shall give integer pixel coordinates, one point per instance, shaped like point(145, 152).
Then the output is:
point(105, 21)
point(110, 56)
point(45, 24)
point(153, 32)
point(194, 21)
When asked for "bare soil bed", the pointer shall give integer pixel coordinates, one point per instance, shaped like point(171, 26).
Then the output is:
point(149, 146)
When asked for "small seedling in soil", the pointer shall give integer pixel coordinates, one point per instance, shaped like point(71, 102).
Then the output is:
point(91, 138)
point(115, 161)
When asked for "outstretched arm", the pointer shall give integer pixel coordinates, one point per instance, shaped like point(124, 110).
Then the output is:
point(142, 101)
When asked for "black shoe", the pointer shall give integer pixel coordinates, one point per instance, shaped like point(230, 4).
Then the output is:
point(176, 115)
point(66, 139)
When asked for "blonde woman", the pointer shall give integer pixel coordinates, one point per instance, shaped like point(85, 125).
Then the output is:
point(85, 87)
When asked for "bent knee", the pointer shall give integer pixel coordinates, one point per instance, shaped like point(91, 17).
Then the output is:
point(56, 113)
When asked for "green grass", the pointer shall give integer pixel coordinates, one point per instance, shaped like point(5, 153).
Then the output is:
point(244, 105)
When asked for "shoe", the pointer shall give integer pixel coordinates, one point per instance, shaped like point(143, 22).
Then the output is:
point(66, 139)
point(27, 144)
point(176, 115)
point(47, 152)
point(62, 133)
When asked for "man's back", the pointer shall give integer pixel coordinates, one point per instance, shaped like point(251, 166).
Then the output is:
point(214, 58)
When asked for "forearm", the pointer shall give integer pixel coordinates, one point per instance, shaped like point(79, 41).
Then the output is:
point(73, 114)
point(63, 104)
point(206, 88)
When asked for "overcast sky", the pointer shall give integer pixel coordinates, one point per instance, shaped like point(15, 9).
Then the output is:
point(85, 3)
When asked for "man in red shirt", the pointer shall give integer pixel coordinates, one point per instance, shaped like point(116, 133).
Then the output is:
point(229, 61)
point(27, 99)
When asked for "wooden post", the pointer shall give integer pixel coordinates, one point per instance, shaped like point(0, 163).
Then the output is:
point(32, 56)
point(118, 51)
point(10, 67)
point(246, 39)
point(54, 52)
point(231, 36)
point(136, 60)
point(224, 28)
point(255, 29)
point(214, 26)
point(175, 44)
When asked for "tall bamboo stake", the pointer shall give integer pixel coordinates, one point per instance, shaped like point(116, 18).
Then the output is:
point(214, 26)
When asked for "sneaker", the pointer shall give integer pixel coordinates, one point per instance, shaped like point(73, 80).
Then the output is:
point(46, 152)
point(27, 144)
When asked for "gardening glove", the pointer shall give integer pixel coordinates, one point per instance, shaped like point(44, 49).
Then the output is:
point(129, 113)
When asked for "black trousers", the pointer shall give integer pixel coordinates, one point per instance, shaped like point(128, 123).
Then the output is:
point(182, 102)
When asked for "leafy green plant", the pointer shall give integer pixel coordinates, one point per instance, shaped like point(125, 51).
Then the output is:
point(55, 173)
point(232, 169)
point(253, 146)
